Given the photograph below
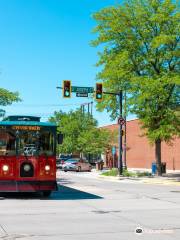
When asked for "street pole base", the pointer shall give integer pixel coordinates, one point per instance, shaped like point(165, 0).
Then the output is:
point(120, 177)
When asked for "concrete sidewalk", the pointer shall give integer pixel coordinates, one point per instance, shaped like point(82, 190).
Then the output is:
point(167, 179)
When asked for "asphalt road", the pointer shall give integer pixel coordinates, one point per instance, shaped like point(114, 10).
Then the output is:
point(86, 208)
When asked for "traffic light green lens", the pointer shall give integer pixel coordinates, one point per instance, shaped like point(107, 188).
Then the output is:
point(66, 93)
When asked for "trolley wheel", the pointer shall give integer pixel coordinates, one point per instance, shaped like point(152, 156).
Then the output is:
point(46, 193)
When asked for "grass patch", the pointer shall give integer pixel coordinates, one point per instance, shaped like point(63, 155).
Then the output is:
point(143, 174)
point(114, 172)
point(126, 173)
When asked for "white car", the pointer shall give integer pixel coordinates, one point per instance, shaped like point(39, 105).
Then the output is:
point(77, 165)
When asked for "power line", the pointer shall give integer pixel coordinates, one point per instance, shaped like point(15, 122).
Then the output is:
point(46, 105)
point(47, 114)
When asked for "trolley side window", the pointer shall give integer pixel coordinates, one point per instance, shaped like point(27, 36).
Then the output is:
point(7, 142)
point(46, 143)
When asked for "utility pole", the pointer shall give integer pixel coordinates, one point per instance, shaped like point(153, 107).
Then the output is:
point(89, 116)
point(83, 109)
point(91, 109)
point(88, 109)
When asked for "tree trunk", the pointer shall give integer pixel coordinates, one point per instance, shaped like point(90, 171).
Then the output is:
point(158, 156)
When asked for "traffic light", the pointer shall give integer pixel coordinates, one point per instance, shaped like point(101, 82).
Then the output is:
point(99, 91)
point(66, 88)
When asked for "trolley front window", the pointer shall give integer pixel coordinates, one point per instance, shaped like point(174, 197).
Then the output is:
point(29, 143)
point(36, 143)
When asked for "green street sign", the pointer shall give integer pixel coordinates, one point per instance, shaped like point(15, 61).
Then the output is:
point(82, 89)
point(81, 94)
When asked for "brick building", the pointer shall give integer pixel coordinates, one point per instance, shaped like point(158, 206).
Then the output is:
point(140, 154)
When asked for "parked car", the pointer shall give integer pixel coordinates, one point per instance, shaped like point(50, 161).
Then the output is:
point(61, 160)
point(77, 165)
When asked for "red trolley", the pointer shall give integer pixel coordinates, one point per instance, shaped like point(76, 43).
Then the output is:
point(27, 155)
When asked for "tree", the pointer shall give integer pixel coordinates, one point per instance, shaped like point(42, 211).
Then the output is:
point(81, 134)
point(93, 141)
point(141, 55)
point(7, 98)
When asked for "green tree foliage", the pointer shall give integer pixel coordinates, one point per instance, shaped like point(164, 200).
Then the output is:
point(81, 134)
point(140, 54)
point(7, 97)
point(93, 141)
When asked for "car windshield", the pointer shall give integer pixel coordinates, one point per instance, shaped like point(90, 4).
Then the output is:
point(71, 161)
point(65, 157)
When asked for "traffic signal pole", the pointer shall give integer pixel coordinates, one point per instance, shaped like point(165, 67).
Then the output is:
point(120, 164)
point(125, 128)
point(99, 91)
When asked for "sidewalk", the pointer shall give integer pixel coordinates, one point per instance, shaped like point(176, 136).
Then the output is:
point(167, 179)
point(172, 179)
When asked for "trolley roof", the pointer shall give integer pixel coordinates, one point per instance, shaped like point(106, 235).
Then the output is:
point(25, 121)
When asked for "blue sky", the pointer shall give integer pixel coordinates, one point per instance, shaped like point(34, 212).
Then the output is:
point(43, 42)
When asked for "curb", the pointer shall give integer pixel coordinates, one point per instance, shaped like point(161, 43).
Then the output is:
point(144, 180)
point(150, 180)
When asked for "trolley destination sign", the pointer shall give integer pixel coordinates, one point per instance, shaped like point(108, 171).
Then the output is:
point(28, 128)
point(82, 90)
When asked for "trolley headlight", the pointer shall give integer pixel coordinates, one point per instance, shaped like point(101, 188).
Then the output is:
point(27, 167)
point(5, 168)
point(47, 167)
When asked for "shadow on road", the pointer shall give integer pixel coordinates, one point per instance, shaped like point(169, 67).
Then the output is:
point(63, 193)
point(68, 193)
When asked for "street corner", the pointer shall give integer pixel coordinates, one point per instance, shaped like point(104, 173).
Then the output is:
point(108, 178)
point(161, 181)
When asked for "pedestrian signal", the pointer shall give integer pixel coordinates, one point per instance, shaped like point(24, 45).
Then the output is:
point(66, 89)
point(99, 91)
